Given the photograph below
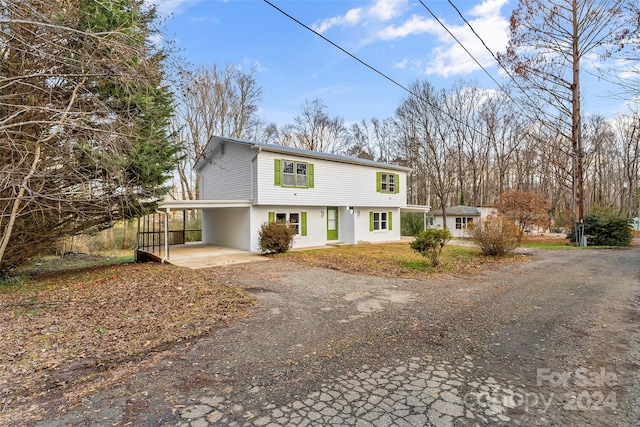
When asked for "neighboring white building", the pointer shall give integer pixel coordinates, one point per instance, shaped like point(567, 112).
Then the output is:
point(460, 217)
point(328, 198)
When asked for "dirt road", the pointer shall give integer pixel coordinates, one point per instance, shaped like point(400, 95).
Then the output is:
point(550, 341)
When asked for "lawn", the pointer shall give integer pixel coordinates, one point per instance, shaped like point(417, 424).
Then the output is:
point(395, 259)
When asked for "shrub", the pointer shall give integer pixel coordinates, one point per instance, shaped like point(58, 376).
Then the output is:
point(605, 228)
point(430, 243)
point(496, 235)
point(275, 237)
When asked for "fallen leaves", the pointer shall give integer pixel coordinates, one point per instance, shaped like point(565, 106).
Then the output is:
point(63, 326)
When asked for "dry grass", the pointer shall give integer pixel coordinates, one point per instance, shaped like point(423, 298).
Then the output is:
point(395, 259)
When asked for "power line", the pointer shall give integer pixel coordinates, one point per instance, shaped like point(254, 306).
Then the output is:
point(500, 64)
point(339, 47)
point(434, 106)
point(461, 45)
point(478, 62)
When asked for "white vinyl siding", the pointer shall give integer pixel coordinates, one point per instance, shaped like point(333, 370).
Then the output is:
point(228, 176)
point(334, 184)
point(229, 227)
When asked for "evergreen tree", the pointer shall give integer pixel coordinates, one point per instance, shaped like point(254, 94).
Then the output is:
point(84, 119)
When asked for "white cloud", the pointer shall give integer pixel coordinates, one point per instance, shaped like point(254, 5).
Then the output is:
point(248, 62)
point(385, 10)
point(414, 25)
point(402, 64)
point(352, 17)
point(450, 58)
point(379, 11)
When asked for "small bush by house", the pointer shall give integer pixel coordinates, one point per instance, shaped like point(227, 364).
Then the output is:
point(275, 237)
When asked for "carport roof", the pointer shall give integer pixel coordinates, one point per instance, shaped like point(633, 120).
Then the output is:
point(203, 204)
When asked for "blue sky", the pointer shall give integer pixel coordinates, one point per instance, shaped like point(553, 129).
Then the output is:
point(398, 37)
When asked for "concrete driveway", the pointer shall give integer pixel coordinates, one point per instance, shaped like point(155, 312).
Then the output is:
point(199, 255)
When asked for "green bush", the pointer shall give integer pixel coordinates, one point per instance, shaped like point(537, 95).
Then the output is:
point(496, 235)
point(275, 237)
point(604, 227)
point(430, 242)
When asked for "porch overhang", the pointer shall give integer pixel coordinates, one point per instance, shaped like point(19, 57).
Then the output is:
point(169, 205)
point(416, 208)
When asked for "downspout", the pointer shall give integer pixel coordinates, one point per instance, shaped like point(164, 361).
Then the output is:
point(166, 235)
point(251, 195)
point(253, 160)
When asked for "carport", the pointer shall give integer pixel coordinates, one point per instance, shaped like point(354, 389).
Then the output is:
point(163, 237)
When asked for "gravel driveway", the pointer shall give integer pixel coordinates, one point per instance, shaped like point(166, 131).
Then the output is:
point(550, 341)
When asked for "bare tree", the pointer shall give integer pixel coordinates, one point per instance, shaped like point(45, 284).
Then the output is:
point(425, 131)
point(83, 120)
point(628, 131)
point(373, 139)
point(313, 129)
point(213, 101)
point(549, 39)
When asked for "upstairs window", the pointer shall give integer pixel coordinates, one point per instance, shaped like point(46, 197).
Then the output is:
point(289, 173)
point(387, 182)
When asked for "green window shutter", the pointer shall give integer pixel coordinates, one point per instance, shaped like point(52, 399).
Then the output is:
point(389, 221)
point(378, 182)
point(397, 179)
point(303, 223)
point(272, 217)
point(277, 170)
point(310, 175)
point(371, 220)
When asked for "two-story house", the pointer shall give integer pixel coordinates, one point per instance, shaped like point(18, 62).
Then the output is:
point(326, 197)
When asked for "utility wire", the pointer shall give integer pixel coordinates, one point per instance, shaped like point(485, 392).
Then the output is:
point(341, 48)
point(517, 104)
point(500, 64)
point(434, 106)
point(462, 46)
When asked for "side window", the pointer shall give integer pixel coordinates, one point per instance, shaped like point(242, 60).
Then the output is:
point(301, 174)
point(294, 221)
point(458, 223)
